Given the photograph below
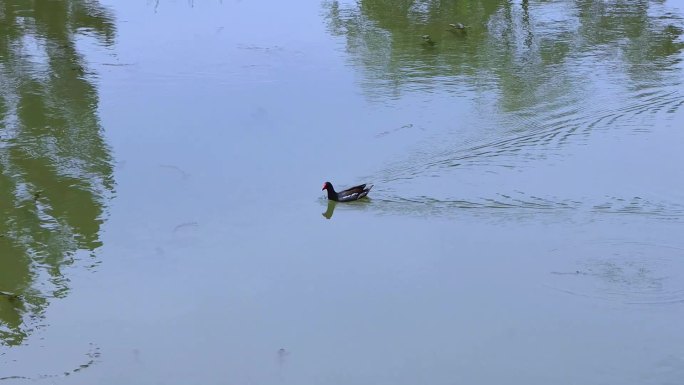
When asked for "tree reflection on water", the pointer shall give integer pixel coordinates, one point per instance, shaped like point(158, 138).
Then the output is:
point(55, 167)
point(508, 46)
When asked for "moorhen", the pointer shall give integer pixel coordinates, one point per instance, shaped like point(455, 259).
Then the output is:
point(459, 26)
point(427, 40)
point(350, 194)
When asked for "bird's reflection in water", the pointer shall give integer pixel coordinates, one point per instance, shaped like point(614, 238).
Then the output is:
point(361, 204)
point(331, 208)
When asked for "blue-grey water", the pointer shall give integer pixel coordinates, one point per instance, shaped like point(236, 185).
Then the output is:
point(161, 220)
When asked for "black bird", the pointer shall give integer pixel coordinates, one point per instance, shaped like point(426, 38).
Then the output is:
point(458, 26)
point(427, 40)
point(350, 194)
point(9, 296)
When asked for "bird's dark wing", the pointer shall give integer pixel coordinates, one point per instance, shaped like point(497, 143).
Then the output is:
point(354, 193)
point(356, 189)
point(365, 192)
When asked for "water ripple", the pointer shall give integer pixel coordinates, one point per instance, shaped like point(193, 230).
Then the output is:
point(557, 129)
point(633, 273)
point(520, 204)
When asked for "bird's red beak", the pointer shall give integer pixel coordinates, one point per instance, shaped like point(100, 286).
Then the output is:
point(323, 187)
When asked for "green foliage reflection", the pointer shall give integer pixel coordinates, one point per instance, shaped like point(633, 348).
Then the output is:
point(55, 168)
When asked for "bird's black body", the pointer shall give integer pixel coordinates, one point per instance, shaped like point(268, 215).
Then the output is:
point(427, 41)
point(459, 27)
point(350, 194)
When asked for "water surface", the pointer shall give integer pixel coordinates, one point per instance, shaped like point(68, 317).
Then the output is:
point(162, 223)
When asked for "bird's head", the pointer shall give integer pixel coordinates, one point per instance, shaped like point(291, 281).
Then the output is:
point(326, 186)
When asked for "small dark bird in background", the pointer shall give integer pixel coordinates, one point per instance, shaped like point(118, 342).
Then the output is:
point(9, 296)
point(350, 194)
point(458, 27)
point(427, 40)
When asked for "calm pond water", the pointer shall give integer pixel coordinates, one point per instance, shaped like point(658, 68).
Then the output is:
point(161, 221)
